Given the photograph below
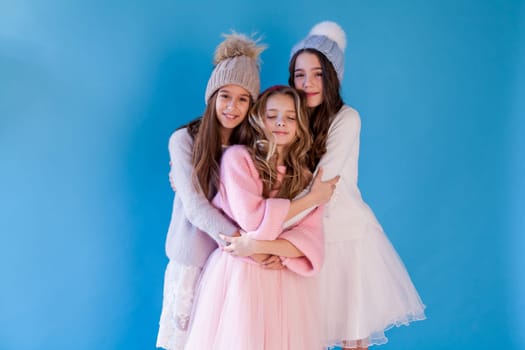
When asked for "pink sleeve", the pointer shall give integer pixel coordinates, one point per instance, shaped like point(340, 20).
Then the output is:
point(308, 237)
point(241, 189)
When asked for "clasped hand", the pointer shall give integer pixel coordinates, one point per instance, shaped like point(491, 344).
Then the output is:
point(245, 246)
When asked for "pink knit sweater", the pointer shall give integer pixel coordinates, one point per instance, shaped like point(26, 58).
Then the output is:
point(240, 197)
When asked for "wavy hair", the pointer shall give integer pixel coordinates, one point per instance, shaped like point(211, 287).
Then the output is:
point(322, 116)
point(263, 148)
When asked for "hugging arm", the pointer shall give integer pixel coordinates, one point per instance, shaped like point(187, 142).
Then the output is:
point(197, 209)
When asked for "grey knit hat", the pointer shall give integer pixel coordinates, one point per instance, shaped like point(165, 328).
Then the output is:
point(329, 39)
point(236, 62)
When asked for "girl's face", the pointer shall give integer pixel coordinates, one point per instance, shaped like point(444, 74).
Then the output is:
point(280, 119)
point(231, 106)
point(308, 76)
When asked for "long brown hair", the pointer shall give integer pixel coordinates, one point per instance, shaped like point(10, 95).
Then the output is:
point(263, 150)
point(321, 117)
point(207, 147)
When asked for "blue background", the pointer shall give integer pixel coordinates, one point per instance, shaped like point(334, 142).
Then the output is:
point(90, 92)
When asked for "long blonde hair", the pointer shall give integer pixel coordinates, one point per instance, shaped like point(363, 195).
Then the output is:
point(263, 150)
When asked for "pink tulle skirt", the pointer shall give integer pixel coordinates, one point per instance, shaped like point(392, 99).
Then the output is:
point(241, 306)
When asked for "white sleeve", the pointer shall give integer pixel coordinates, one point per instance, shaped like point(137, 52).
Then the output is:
point(343, 136)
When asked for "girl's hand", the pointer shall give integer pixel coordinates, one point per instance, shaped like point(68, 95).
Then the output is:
point(239, 246)
point(260, 258)
point(273, 262)
point(267, 261)
point(322, 191)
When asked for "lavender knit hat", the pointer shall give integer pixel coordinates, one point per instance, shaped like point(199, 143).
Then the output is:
point(236, 62)
point(329, 39)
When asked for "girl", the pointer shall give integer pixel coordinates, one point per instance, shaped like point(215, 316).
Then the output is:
point(240, 304)
point(195, 153)
point(365, 288)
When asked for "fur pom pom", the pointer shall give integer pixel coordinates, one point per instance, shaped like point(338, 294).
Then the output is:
point(236, 44)
point(332, 31)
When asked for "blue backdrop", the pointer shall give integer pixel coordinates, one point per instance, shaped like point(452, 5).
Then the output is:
point(90, 92)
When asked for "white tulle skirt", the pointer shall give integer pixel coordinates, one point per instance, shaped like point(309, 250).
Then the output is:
point(242, 306)
point(365, 290)
point(180, 283)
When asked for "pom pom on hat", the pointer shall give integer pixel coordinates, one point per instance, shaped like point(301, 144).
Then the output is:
point(332, 31)
point(329, 39)
point(236, 44)
point(236, 62)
